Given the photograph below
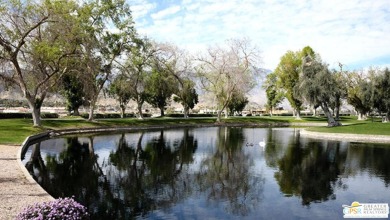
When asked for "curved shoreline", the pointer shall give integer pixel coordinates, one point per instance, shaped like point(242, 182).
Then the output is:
point(19, 189)
point(347, 137)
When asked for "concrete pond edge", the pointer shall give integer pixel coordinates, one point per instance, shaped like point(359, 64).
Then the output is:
point(364, 138)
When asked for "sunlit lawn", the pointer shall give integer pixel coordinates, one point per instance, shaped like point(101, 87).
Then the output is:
point(14, 131)
point(368, 127)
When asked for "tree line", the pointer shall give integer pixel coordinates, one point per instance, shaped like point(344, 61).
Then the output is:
point(82, 49)
point(304, 79)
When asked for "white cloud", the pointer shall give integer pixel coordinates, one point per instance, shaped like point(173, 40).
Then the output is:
point(341, 31)
point(166, 12)
point(140, 8)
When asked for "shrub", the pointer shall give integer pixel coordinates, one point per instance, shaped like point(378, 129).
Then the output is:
point(62, 208)
point(15, 115)
point(107, 115)
point(49, 115)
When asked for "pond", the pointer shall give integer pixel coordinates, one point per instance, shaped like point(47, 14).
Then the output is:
point(211, 173)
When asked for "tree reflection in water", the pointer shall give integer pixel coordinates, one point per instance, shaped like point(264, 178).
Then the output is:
point(36, 166)
point(151, 177)
point(226, 175)
point(311, 170)
point(372, 158)
point(148, 173)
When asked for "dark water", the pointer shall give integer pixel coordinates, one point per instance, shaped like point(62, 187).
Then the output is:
point(211, 173)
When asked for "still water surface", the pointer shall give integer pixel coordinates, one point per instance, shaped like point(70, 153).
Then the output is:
point(211, 173)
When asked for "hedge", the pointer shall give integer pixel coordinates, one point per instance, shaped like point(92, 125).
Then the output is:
point(179, 115)
point(112, 115)
point(26, 115)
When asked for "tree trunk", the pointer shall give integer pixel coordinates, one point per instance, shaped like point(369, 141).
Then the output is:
point(123, 109)
point(219, 115)
point(337, 112)
point(387, 118)
point(91, 111)
point(35, 112)
point(298, 114)
point(92, 108)
point(331, 121)
point(139, 108)
point(36, 115)
point(186, 111)
point(361, 116)
point(140, 115)
point(76, 111)
point(226, 113)
point(162, 114)
point(314, 111)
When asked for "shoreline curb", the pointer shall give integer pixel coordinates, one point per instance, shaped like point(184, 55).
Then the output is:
point(347, 137)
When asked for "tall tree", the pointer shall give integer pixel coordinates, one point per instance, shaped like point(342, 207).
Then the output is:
point(178, 63)
point(186, 95)
point(358, 85)
point(109, 31)
point(237, 103)
point(340, 91)
point(72, 90)
point(137, 67)
point(36, 38)
point(160, 86)
point(381, 94)
point(226, 70)
point(273, 93)
point(120, 90)
point(287, 72)
point(317, 86)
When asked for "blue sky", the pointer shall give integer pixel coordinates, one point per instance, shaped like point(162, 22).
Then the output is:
point(353, 32)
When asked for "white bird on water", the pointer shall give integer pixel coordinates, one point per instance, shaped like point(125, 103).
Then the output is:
point(262, 143)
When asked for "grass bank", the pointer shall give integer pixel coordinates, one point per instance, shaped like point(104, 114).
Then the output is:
point(367, 127)
point(14, 131)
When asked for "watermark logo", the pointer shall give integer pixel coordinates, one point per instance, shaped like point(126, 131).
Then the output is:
point(366, 210)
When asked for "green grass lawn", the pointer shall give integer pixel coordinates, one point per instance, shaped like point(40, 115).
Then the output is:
point(367, 127)
point(14, 131)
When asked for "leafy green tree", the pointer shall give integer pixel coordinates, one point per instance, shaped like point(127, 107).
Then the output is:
point(160, 86)
point(108, 32)
point(357, 90)
point(381, 94)
point(137, 68)
point(72, 90)
point(120, 90)
point(36, 40)
point(340, 92)
point(288, 71)
point(274, 95)
point(317, 86)
point(237, 103)
point(187, 95)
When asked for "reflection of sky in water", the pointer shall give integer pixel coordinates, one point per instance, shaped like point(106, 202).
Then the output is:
point(357, 180)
